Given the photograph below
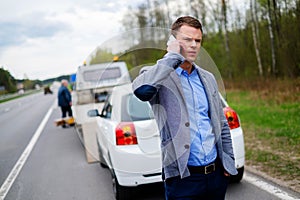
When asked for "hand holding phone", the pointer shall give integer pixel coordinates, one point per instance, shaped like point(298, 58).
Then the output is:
point(173, 45)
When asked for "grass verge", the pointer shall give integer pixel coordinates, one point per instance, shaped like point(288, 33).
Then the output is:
point(270, 117)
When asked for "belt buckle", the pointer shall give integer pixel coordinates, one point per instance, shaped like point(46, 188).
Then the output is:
point(208, 169)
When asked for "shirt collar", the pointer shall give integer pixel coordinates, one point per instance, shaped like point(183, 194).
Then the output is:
point(180, 71)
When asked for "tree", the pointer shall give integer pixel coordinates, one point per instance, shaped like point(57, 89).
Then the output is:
point(142, 18)
point(7, 81)
point(198, 9)
point(129, 19)
point(268, 39)
point(255, 39)
point(272, 39)
point(226, 38)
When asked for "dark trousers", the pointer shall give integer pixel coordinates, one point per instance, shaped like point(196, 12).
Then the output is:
point(65, 110)
point(197, 186)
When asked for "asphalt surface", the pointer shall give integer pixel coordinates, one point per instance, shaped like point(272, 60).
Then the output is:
point(57, 167)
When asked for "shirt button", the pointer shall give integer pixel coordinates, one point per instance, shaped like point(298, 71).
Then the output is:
point(186, 146)
point(187, 124)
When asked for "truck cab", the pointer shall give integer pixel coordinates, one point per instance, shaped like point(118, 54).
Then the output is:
point(92, 85)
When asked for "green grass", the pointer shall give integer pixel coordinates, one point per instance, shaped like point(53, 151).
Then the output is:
point(273, 164)
point(271, 122)
point(270, 119)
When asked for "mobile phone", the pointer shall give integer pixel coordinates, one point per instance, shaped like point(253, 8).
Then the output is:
point(171, 39)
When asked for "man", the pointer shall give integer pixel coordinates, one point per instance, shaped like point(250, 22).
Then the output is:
point(64, 100)
point(196, 145)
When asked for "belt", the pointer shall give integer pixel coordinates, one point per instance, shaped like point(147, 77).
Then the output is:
point(203, 169)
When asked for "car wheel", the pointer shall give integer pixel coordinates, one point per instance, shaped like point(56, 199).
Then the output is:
point(237, 178)
point(121, 192)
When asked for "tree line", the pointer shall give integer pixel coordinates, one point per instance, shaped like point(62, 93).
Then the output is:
point(9, 84)
point(258, 38)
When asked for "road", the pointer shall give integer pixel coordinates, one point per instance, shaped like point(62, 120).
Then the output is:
point(56, 167)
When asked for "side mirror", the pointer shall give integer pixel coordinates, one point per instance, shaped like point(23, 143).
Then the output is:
point(93, 113)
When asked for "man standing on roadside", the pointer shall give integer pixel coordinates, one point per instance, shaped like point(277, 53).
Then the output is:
point(196, 145)
point(65, 100)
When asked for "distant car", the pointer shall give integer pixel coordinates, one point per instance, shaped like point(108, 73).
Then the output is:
point(129, 143)
point(21, 91)
point(47, 90)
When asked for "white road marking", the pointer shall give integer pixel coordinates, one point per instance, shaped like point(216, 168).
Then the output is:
point(20, 163)
point(268, 187)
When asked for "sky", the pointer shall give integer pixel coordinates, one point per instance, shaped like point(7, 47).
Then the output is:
point(48, 38)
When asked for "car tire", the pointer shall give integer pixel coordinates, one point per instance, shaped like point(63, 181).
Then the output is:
point(121, 192)
point(237, 178)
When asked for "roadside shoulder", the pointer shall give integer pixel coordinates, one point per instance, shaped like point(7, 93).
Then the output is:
point(276, 181)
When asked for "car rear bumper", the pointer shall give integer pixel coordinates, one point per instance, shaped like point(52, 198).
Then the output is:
point(133, 167)
point(135, 179)
point(238, 146)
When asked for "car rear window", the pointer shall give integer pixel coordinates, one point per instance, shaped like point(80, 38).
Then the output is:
point(134, 109)
point(102, 74)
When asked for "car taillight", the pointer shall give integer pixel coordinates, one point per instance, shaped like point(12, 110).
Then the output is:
point(125, 134)
point(232, 118)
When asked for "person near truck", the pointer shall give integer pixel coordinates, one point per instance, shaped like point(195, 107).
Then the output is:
point(65, 100)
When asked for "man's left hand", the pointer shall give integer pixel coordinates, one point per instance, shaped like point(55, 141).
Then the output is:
point(226, 174)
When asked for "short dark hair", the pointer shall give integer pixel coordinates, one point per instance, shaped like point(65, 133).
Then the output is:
point(186, 20)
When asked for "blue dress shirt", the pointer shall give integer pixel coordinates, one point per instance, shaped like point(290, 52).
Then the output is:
point(203, 149)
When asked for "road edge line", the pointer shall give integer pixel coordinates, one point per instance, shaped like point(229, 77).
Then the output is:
point(276, 181)
point(22, 159)
point(270, 188)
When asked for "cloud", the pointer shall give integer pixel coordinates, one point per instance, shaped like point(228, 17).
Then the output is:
point(35, 25)
point(44, 39)
point(9, 34)
point(44, 45)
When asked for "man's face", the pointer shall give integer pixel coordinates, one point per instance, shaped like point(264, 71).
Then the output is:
point(190, 41)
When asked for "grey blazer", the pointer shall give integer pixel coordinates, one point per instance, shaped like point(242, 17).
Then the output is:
point(161, 86)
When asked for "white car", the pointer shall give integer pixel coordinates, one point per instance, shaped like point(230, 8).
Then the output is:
point(237, 137)
point(129, 142)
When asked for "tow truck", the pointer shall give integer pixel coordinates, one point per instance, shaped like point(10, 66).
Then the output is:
point(92, 85)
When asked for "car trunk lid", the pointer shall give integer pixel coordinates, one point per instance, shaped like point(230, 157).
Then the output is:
point(148, 136)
